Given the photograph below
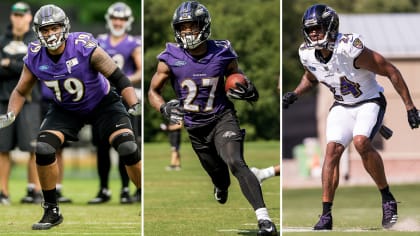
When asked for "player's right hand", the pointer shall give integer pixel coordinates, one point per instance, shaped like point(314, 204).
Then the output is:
point(7, 119)
point(413, 118)
point(288, 99)
point(172, 111)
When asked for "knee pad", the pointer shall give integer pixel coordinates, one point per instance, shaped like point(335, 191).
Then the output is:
point(126, 147)
point(46, 147)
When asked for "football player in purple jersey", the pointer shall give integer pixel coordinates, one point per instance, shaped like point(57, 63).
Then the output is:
point(196, 68)
point(79, 73)
point(125, 50)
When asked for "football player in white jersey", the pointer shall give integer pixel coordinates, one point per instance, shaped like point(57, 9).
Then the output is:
point(348, 69)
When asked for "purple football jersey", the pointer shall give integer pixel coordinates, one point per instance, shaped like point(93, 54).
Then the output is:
point(74, 83)
point(199, 83)
point(121, 53)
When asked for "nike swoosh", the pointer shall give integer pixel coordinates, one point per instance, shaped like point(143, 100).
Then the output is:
point(118, 125)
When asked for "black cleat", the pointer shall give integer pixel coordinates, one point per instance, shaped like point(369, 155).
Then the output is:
point(61, 198)
point(220, 195)
point(325, 222)
point(32, 196)
point(136, 196)
point(125, 197)
point(4, 199)
point(389, 214)
point(51, 217)
point(104, 195)
point(266, 228)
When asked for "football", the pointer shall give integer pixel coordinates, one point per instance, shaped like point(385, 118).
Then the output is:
point(232, 79)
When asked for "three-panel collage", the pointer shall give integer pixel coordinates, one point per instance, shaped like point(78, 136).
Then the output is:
point(201, 118)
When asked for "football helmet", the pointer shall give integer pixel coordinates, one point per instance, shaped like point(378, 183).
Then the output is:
point(119, 10)
point(51, 15)
point(191, 11)
point(326, 18)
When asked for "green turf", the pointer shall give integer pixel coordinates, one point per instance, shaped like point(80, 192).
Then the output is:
point(356, 211)
point(182, 202)
point(79, 218)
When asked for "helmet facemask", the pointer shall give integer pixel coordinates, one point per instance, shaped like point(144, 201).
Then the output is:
point(191, 39)
point(54, 40)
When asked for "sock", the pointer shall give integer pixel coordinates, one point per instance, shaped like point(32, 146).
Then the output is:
point(270, 171)
point(58, 187)
point(326, 207)
point(262, 214)
point(31, 186)
point(386, 194)
point(50, 196)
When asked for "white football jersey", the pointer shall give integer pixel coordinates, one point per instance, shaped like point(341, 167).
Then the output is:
point(348, 84)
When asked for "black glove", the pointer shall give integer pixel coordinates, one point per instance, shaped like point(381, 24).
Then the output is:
point(172, 111)
point(413, 118)
point(242, 92)
point(288, 99)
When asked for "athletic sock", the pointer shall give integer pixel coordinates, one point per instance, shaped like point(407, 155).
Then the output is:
point(262, 214)
point(326, 207)
point(386, 194)
point(50, 196)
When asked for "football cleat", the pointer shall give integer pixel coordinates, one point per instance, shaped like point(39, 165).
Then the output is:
point(104, 195)
point(32, 196)
point(220, 195)
point(125, 196)
point(266, 228)
point(51, 217)
point(61, 198)
point(136, 196)
point(325, 222)
point(4, 200)
point(389, 214)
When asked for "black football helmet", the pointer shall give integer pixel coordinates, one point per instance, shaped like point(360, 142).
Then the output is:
point(119, 10)
point(51, 15)
point(323, 16)
point(191, 11)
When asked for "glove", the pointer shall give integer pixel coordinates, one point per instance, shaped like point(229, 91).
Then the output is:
point(248, 93)
point(288, 99)
point(135, 109)
point(413, 118)
point(7, 119)
point(172, 111)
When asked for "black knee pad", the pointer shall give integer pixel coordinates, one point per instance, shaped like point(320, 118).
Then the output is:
point(126, 147)
point(46, 146)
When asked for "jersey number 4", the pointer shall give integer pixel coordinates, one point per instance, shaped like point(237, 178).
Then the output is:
point(346, 87)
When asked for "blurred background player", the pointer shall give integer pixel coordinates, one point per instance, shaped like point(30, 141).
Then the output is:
point(125, 50)
point(23, 132)
point(263, 174)
point(174, 135)
point(196, 68)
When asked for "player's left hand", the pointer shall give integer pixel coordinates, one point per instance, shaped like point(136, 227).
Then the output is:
point(413, 118)
point(7, 119)
point(135, 109)
point(242, 92)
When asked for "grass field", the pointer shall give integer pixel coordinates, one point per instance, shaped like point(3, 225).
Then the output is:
point(182, 202)
point(79, 218)
point(356, 211)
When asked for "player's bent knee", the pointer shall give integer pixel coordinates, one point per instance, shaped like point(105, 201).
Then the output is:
point(46, 147)
point(127, 149)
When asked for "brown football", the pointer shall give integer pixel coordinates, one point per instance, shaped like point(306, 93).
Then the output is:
point(232, 79)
